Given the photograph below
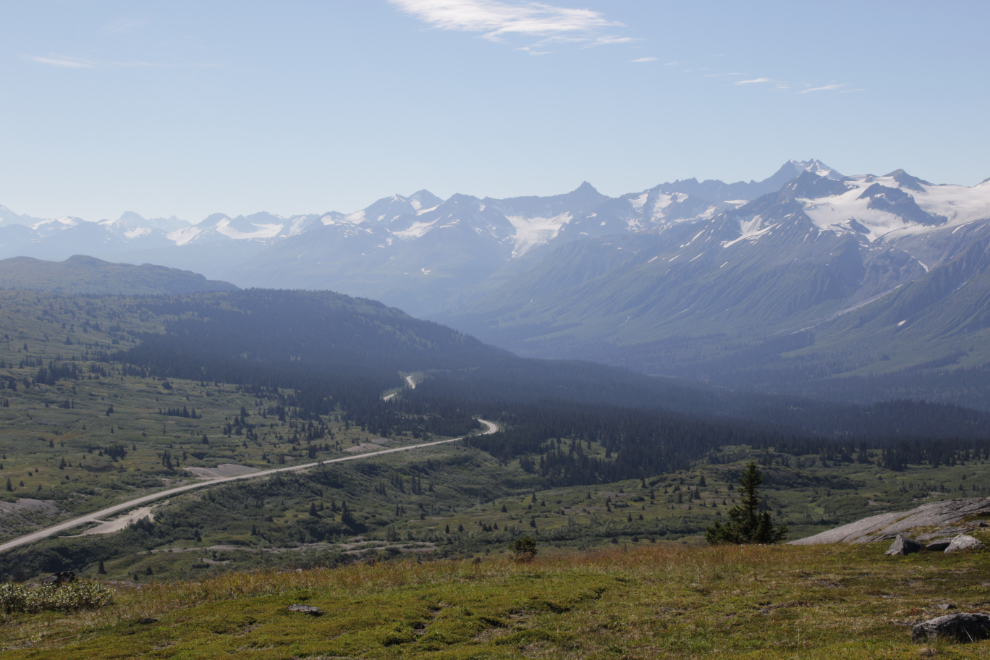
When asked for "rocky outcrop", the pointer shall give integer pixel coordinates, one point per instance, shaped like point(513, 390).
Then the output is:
point(959, 627)
point(902, 545)
point(964, 542)
point(886, 526)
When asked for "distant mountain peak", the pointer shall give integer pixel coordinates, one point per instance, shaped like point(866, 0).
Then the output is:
point(130, 217)
point(424, 199)
point(213, 219)
point(814, 166)
point(810, 185)
point(905, 180)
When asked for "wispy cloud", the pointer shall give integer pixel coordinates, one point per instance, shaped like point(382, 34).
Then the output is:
point(754, 81)
point(80, 63)
point(65, 62)
point(823, 88)
point(645, 59)
point(498, 19)
point(124, 25)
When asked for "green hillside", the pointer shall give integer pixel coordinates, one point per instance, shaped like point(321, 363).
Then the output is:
point(633, 601)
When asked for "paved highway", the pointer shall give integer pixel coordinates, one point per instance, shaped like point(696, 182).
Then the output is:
point(130, 504)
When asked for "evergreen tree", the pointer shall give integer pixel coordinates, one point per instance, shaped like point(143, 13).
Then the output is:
point(746, 524)
point(524, 549)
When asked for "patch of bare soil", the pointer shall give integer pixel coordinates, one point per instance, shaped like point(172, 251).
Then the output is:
point(26, 505)
point(119, 523)
point(221, 471)
point(364, 446)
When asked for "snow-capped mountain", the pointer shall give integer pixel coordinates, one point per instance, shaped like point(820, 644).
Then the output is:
point(785, 279)
point(688, 278)
point(428, 255)
point(510, 227)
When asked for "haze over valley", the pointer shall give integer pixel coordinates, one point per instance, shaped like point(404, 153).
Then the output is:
point(869, 275)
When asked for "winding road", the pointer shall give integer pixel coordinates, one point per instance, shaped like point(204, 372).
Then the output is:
point(130, 504)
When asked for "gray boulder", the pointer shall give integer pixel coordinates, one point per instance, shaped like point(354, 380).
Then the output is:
point(306, 609)
point(964, 542)
point(902, 545)
point(960, 627)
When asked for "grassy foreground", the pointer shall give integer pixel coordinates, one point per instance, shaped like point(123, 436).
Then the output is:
point(641, 602)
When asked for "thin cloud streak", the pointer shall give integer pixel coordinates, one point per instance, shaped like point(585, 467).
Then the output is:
point(496, 19)
point(64, 62)
point(754, 81)
point(78, 63)
point(645, 59)
point(823, 88)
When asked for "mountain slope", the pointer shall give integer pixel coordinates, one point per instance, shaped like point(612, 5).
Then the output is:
point(756, 290)
point(81, 274)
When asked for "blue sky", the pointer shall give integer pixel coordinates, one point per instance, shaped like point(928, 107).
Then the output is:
point(189, 108)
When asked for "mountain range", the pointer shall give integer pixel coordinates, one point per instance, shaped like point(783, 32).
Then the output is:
point(418, 252)
point(782, 284)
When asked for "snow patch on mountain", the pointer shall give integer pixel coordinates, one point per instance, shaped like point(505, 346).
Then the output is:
point(226, 228)
point(417, 230)
point(531, 232)
point(137, 232)
point(749, 230)
point(852, 210)
point(639, 202)
point(957, 203)
point(184, 235)
point(55, 225)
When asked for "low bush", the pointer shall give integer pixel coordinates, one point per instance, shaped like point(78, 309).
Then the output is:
point(80, 595)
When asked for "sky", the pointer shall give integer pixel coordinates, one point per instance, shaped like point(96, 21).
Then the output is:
point(191, 108)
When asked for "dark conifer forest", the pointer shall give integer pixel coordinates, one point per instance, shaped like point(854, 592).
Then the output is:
point(333, 351)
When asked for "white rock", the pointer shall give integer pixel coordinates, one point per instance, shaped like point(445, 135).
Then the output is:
point(964, 542)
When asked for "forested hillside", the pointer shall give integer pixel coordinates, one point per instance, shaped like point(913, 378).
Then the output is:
point(82, 274)
point(107, 398)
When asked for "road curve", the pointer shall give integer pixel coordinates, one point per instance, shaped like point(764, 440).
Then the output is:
point(123, 506)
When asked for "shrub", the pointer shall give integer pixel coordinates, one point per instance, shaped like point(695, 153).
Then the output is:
point(524, 549)
point(80, 595)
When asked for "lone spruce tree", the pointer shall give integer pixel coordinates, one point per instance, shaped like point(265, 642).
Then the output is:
point(746, 524)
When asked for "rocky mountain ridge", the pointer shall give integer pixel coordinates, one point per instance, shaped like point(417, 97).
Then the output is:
point(417, 236)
